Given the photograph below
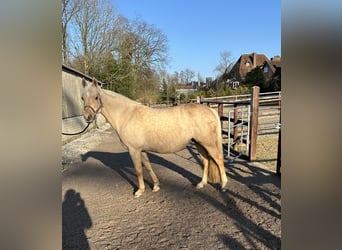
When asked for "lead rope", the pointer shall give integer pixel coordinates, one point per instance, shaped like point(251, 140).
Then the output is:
point(95, 111)
point(78, 132)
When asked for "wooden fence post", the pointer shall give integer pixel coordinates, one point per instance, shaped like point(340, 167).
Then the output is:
point(220, 112)
point(254, 123)
point(279, 150)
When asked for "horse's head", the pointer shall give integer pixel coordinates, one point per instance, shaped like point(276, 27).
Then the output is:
point(92, 100)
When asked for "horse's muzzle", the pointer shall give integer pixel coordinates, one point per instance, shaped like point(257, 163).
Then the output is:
point(88, 115)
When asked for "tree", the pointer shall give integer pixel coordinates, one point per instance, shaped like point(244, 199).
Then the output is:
point(181, 77)
point(199, 78)
point(225, 63)
point(149, 46)
point(93, 33)
point(168, 87)
point(176, 77)
point(144, 48)
point(188, 75)
point(69, 8)
point(126, 55)
point(164, 91)
point(275, 82)
point(256, 77)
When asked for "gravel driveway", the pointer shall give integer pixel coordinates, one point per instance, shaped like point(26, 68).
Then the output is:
point(100, 211)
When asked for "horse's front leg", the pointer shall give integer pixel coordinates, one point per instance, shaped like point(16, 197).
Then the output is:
point(148, 166)
point(136, 158)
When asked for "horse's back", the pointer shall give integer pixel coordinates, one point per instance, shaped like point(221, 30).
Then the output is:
point(184, 116)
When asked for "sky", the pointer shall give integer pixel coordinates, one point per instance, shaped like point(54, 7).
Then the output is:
point(199, 30)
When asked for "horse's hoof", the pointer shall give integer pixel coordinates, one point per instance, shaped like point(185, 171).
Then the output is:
point(199, 185)
point(156, 188)
point(138, 193)
point(224, 189)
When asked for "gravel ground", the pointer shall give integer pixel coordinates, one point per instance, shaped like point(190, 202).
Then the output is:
point(100, 211)
point(267, 142)
point(267, 146)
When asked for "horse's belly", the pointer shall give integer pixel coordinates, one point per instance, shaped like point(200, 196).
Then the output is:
point(166, 146)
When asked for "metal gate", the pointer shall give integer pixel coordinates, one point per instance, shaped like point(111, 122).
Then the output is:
point(236, 131)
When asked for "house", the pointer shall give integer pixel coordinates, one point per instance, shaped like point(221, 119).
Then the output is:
point(271, 68)
point(248, 62)
point(186, 89)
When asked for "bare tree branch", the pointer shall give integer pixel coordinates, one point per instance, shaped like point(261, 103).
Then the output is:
point(225, 62)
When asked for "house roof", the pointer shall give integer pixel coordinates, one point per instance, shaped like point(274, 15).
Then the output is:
point(276, 61)
point(250, 61)
point(247, 62)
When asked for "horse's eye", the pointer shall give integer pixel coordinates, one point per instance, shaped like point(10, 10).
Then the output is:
point(82, 98)
point(96, 97)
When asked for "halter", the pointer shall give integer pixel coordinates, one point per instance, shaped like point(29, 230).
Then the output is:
point(92, 109)
point(95, 112)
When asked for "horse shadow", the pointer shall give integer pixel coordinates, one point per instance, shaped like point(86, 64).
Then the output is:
point(227, 204)
point(122, 164)
point(75, 219)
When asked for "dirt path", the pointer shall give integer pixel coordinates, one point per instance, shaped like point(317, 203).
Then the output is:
point(100, 212)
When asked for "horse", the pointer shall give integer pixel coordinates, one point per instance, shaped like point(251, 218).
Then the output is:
point(142, 129)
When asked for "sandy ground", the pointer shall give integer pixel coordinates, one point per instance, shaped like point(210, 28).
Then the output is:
point(100, 211)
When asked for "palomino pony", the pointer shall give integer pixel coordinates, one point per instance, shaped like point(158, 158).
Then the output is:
point(142, 129)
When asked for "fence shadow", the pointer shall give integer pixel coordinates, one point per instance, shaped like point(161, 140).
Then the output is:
point(254, 178)
point(248, 227)
point(75, 219)
point(250, 231)
point(256, 175)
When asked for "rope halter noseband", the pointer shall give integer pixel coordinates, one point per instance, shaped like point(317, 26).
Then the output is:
point(93, 110)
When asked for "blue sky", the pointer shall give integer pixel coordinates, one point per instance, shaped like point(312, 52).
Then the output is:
point(199, 30)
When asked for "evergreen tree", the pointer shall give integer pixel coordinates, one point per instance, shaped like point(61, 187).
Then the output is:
point(164, 91)
point(256, 77)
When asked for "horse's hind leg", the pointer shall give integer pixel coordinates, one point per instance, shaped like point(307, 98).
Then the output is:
point(218, 158)
point(205, 159)
point(136, 158)
point(148, 166)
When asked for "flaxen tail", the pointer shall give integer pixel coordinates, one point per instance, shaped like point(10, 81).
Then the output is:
point(213, 169)
point(213, 172)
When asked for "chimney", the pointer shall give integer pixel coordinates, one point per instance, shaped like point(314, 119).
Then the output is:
point(254, 60)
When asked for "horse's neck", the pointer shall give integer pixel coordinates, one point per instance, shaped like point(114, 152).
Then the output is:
point(116, 107)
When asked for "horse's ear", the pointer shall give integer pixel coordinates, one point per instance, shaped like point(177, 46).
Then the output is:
point(95, 82)
point(84, 83)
